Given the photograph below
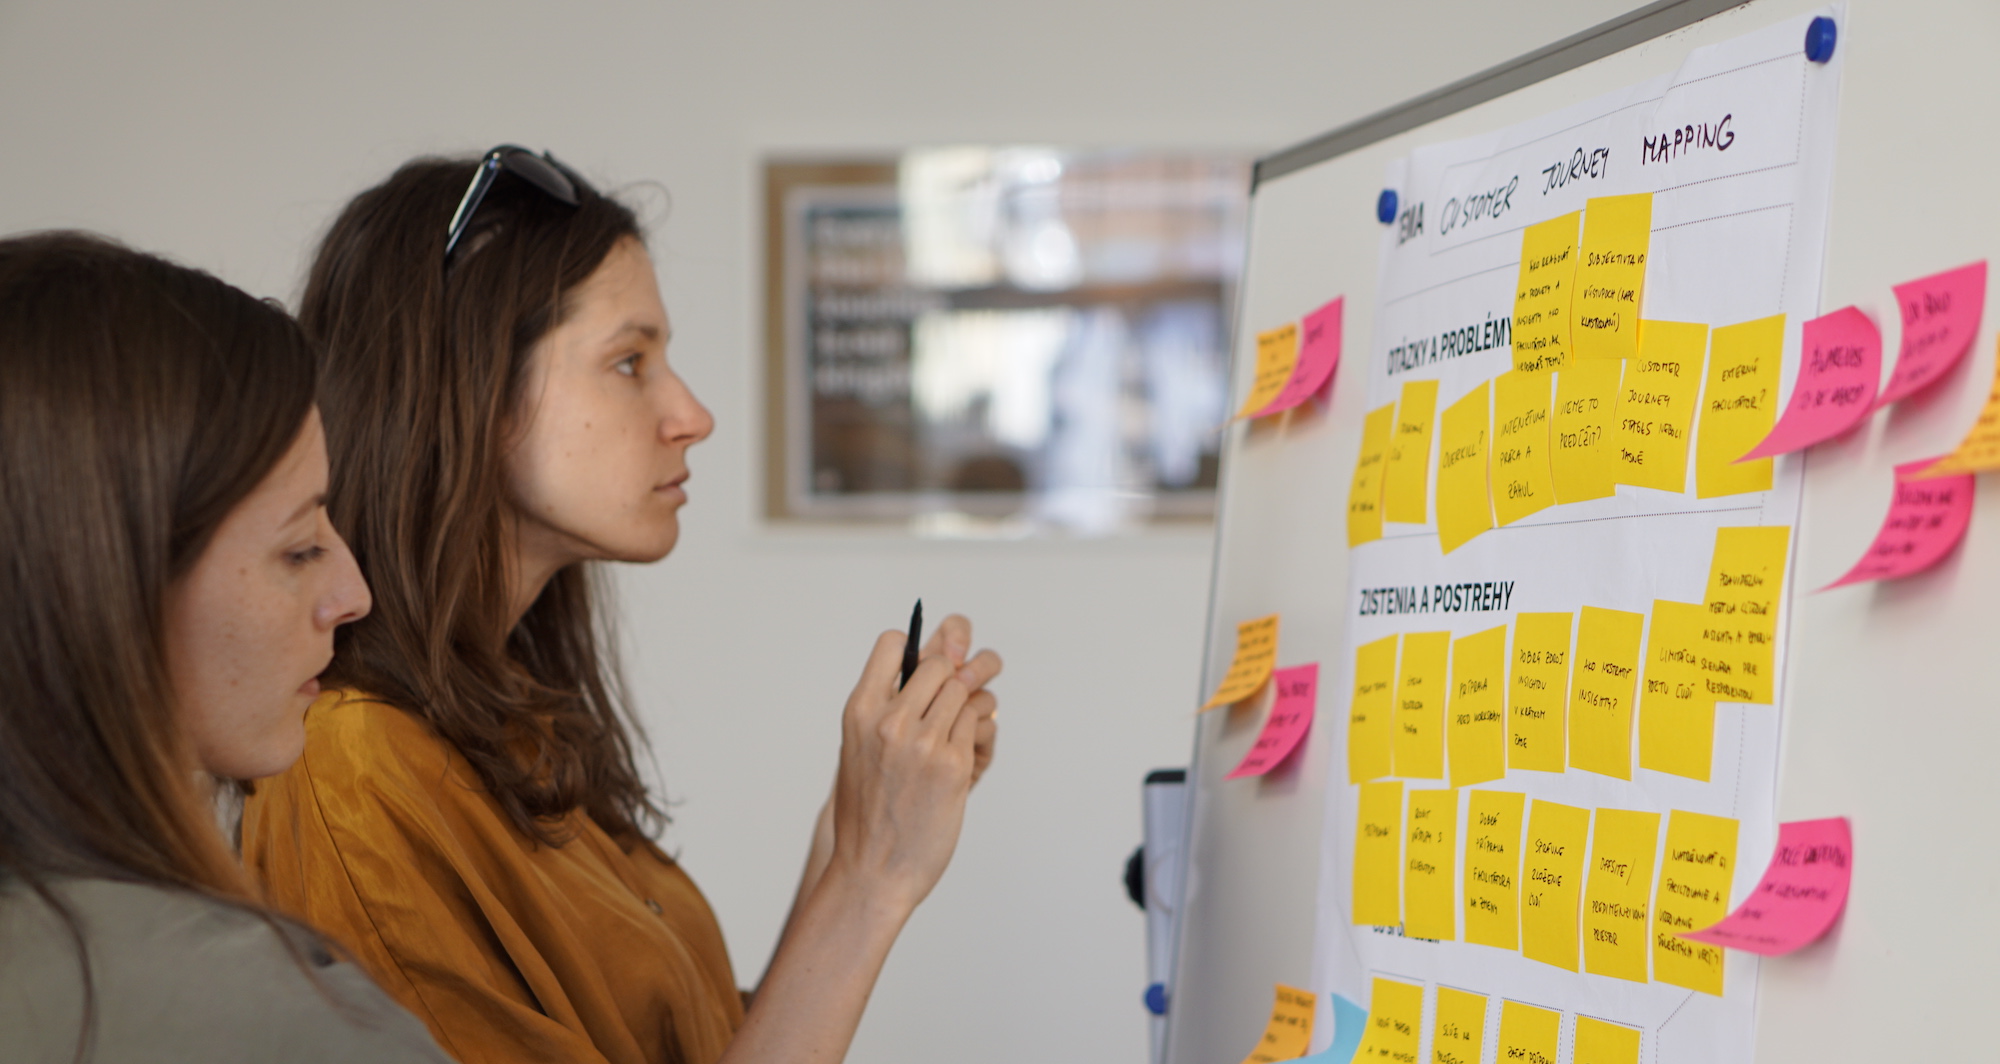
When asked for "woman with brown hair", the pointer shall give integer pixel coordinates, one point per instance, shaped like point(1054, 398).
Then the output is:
point(467, 817)
point(169, 590)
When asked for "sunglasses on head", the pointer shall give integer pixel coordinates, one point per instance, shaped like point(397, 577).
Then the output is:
point(557, 181)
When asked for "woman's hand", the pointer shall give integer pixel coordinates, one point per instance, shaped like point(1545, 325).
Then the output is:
point(908, 759)
point(907, 762)
point(953, 639)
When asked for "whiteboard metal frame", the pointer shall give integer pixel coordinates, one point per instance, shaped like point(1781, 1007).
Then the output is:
point(1604, 39)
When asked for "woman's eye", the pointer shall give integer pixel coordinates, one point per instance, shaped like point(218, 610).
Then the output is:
point(629, 365)
point(303, 558)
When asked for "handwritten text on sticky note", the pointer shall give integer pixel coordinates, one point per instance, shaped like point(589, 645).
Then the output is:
point(1695, 874)
point(1420, 697)
point(1364, 493)
point(1656, 401)
point(1528, 1032)
point(1552, 882)
point(1601, 683)
point(1611, 276)
point(1617, 891)
point(1493, 868)
point(1464, 432)
point(1738, 407)
point(1521, 478)
point(1318, 357)
point(1256, 652)
point(1406, 472)
point(1676, 712)
point(1739, 638)
point(1476, 711)
point(1926, 520)
point(1291, 718)
point(1940, 316)
point(1371, 715)
point(1395, 1023)
point(1543, 293)
point(1801, 894)
point(1459, 1028)
point(1378, 849)
point(1430, 866)
point(1289, 1029)
point(1539, 699)
point(1580, 430)
point(1277, 356)
point(1840, 362)
point(1979, 451)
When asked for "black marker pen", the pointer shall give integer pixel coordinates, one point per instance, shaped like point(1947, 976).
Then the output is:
point(910, 648)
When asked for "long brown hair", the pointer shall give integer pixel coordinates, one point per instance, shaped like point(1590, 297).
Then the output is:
point(425, 371)
point(140, 401)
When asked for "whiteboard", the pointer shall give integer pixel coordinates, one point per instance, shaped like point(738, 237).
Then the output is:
point(1884, 714)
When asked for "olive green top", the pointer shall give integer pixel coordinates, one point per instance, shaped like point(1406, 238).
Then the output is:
point(180, 977)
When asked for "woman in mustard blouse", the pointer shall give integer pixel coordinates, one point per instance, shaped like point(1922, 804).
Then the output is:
point(467, 818)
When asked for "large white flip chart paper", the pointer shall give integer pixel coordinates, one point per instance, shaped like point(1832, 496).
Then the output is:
point(1734, 151)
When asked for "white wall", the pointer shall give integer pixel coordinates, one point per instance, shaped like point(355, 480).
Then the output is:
point(228, 134)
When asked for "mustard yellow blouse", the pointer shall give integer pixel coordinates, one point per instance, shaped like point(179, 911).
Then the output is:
point(383, 837)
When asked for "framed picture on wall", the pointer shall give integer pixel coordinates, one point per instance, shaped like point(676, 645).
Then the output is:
point(1004, 340)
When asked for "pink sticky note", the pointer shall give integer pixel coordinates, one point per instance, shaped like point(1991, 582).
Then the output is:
point(1801, 892)
point(1291, 718)
point(1926, 520)
point(1940, 315)
point(1319, 354)
point(1840, 362)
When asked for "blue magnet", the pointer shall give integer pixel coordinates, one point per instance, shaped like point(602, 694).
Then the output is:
point(1820, 36)
point(1385, 206)
point(1156, 999)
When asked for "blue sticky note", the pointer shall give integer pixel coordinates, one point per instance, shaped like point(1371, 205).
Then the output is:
point(1349, 1022)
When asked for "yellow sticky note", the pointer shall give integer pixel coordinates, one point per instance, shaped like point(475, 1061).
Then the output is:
point(1289, 1030)
point(1430, 866)
point(1538, 695)
point(1256, 651)
point(1378, 839)
point(1676, 712)
point(1364, 494)
point(1598, 1042)
point(1649, 446)
point(1528, 1033)
point(1476, 713)
point(1979, 451)
point(1611, 275)
point(1459, 1028)
point(1543, 293)
point(1600, 691)
point(1522, 480)
point(1463, 509)
point(1552, 882)
point(1617, 893)
point(1738, 407)
point(1493, 868)
point(1371, 717)
point(1580, 430)
point(1277, 356)
point(1406, 476)
point(1693, 893)
point(1739, 635)
point(1395, 1022)
point(1420, 699)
